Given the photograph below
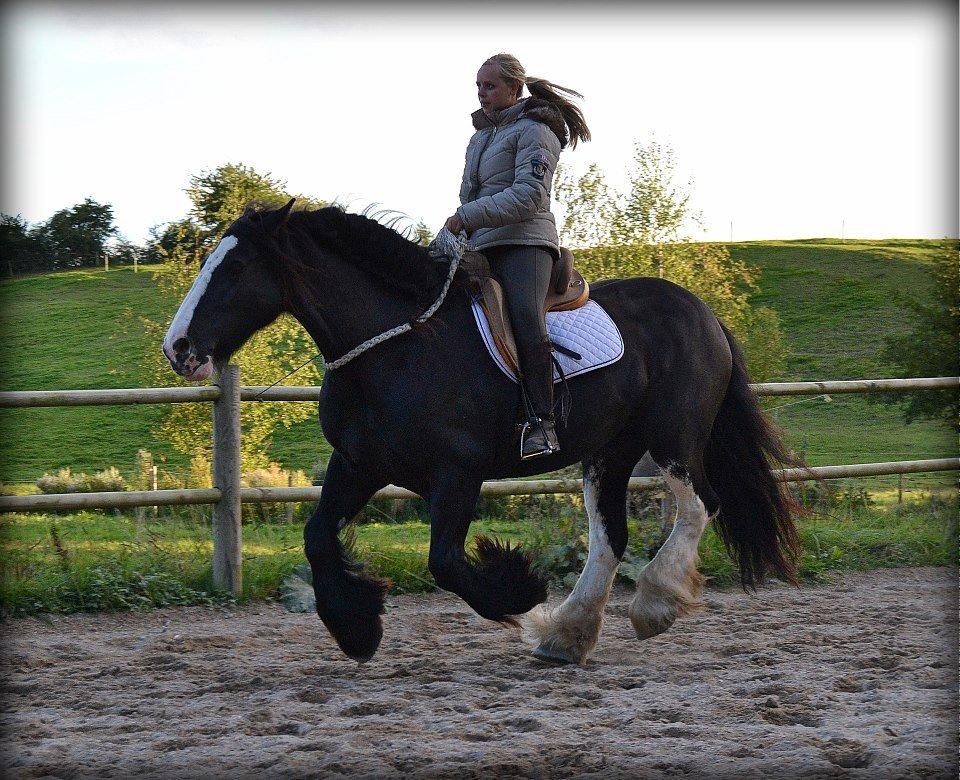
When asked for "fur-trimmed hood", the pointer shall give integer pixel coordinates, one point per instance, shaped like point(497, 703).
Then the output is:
point(542, 111)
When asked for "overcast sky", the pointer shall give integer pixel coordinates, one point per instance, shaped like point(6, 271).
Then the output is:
point(791, 119)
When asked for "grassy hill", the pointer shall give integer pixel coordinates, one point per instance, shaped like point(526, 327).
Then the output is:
point(836, 302)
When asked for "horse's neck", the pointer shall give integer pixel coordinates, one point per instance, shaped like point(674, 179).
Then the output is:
point(347, 308)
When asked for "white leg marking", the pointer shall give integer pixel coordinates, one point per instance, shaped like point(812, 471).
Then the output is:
point(670, 585)
point(570, 632)
point(181, 322)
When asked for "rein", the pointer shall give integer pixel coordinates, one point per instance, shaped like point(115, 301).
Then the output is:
point(444, 245)
point(389, 334)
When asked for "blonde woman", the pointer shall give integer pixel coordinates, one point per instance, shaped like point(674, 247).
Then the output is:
point(505, 211)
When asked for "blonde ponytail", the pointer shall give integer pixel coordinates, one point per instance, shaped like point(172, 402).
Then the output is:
point(572, 115)
point(511, 70)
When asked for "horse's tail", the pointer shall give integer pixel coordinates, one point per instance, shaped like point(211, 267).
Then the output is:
point(755, 519)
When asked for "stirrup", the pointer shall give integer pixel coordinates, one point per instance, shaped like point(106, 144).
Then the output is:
point(538, 438)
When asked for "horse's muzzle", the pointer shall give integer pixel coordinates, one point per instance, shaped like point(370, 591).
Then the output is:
point(188, 362)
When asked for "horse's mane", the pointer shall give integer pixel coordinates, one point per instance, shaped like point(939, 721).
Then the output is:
point(375, 248)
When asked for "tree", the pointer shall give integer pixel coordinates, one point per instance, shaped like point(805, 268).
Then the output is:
point(17, 246)
point(641, 232)
point(77, 236)
point(930, 347)
point(422, 234)
point(590, 208)
point(124, 252)
point(655, 210)
point(182, 241)
point(218, 198)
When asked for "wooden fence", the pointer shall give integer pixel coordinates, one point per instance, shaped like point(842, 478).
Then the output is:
point(227, 395)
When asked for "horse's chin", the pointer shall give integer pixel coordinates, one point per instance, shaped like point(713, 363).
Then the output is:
point(201, 373)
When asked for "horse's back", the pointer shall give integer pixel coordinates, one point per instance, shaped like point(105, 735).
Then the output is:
point(660, 312)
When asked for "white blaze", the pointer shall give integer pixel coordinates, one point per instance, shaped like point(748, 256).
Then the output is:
point(181, 322)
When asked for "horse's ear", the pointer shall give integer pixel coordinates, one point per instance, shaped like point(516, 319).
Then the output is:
point(274, 220)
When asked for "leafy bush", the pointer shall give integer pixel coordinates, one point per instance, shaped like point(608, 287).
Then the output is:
point(113, 587)
point(200, 474)
point(108, 480)
point(61, 482)
point(64, 481)
point(272, 475)
point(764, 345)
point(827, 498)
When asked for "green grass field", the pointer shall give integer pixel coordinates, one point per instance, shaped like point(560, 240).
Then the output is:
point(836, 302)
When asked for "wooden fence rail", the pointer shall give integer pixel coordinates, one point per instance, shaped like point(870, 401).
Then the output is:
point(228, 495)
point(184, 395)
point(120, 397)
point(500, 487)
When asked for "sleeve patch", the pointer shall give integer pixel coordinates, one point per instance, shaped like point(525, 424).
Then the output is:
point(539, 166)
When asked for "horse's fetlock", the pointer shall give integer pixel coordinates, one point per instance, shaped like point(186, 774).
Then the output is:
point(444, 573)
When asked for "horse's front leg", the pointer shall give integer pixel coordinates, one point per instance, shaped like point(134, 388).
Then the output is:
point(349, 602)
point(497, 580)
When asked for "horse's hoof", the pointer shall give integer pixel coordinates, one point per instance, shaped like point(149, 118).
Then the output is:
point(358, 639)
point(649, 626)
point(554, 655)
point(362, 659)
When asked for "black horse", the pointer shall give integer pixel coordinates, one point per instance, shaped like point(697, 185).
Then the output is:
point(431, 412)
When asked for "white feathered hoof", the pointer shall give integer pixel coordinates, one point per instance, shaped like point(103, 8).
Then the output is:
point(657, 604)
point(648, 622)
point(562, 636)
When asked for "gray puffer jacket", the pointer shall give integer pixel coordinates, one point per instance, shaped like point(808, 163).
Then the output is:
point(510, 160)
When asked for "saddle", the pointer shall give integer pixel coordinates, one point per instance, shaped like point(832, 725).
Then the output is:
point(568, 290)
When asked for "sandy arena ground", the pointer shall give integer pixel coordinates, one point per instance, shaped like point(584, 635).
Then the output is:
point(856, 679)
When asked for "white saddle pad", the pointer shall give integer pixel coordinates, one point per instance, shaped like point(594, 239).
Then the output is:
point(588, 331)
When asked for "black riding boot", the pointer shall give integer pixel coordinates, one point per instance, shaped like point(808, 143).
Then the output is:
point(538, 436)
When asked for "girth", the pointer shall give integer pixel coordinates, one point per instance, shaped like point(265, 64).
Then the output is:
point(568, 290)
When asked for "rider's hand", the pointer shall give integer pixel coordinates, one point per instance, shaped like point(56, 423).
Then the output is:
point(454, 225)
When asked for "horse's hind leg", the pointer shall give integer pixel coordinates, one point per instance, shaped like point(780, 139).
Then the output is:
point(569, 633)
point(670, 585)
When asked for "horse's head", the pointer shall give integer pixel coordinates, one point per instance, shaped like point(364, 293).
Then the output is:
point(237, 292)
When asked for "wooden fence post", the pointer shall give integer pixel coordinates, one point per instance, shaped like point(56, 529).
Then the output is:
point(288, 509)
point(227, 564)
point(153, 485)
